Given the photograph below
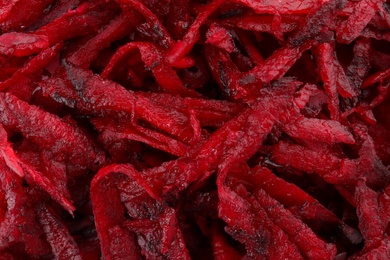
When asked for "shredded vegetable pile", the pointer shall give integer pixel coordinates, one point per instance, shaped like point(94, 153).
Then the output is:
point(202, 129)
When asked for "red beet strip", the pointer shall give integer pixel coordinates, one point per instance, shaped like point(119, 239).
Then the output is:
point(183, 129)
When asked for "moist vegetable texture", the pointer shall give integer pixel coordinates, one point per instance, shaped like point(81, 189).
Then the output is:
point(202, 129)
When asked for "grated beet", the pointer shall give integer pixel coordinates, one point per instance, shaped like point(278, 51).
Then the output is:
point(180, 129)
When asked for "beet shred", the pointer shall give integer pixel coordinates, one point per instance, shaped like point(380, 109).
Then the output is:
point(178, 129)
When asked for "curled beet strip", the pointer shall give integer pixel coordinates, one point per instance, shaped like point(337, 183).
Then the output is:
point(166, 77)
point(160, 239)
point(209, 112)
point(334, 68)
point(274, 66)
point(110, 213)
point(291, 196)
point(221, 249)
point(368, 165)
point(381, 76)
point(295, 199)
point(8, 153)
point(22, 44)
point(255, 230)
point(250, 47)
point(55, 11)
point(227, 73)
point(58, 236)
point(155, 238)
point(327, 72)
point(84, 20)
point(263, 23)
point(19, 14)
point(182, 47)
point(228, 144)
point(141, 134)
point(18, 223)
point(52, 187)
point(115, 30)
point(384, 204)
point(317, 22)
point(380, 252)
point(330, 131)
point(241, 146)
point(318, 160)
point(220, 37)
point(281, 7)
point(376, 34)
point(311, 246)
point(92, 89)
point(360, 65)
point(6, 8)
point(369, 218)
point(363, 12)
point(178, 19)
point(165, 39)
point(15, 115)
point(28, 120)
point(36, 64)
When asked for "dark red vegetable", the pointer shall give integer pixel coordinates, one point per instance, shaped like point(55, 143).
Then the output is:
point(185, 129)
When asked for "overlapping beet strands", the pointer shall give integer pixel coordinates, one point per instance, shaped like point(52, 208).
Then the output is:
point(178, 129)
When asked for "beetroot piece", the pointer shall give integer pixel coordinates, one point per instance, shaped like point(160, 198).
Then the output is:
point(180, 129)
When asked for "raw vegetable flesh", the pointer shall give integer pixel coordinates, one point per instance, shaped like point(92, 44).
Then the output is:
point(180, 129)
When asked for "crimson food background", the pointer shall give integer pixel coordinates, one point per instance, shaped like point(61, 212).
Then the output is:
point(180, 129)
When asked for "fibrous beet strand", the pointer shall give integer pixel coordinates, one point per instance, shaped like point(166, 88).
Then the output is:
point(187, 129)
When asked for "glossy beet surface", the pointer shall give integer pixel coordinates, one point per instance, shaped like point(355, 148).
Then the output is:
point(181, 129)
